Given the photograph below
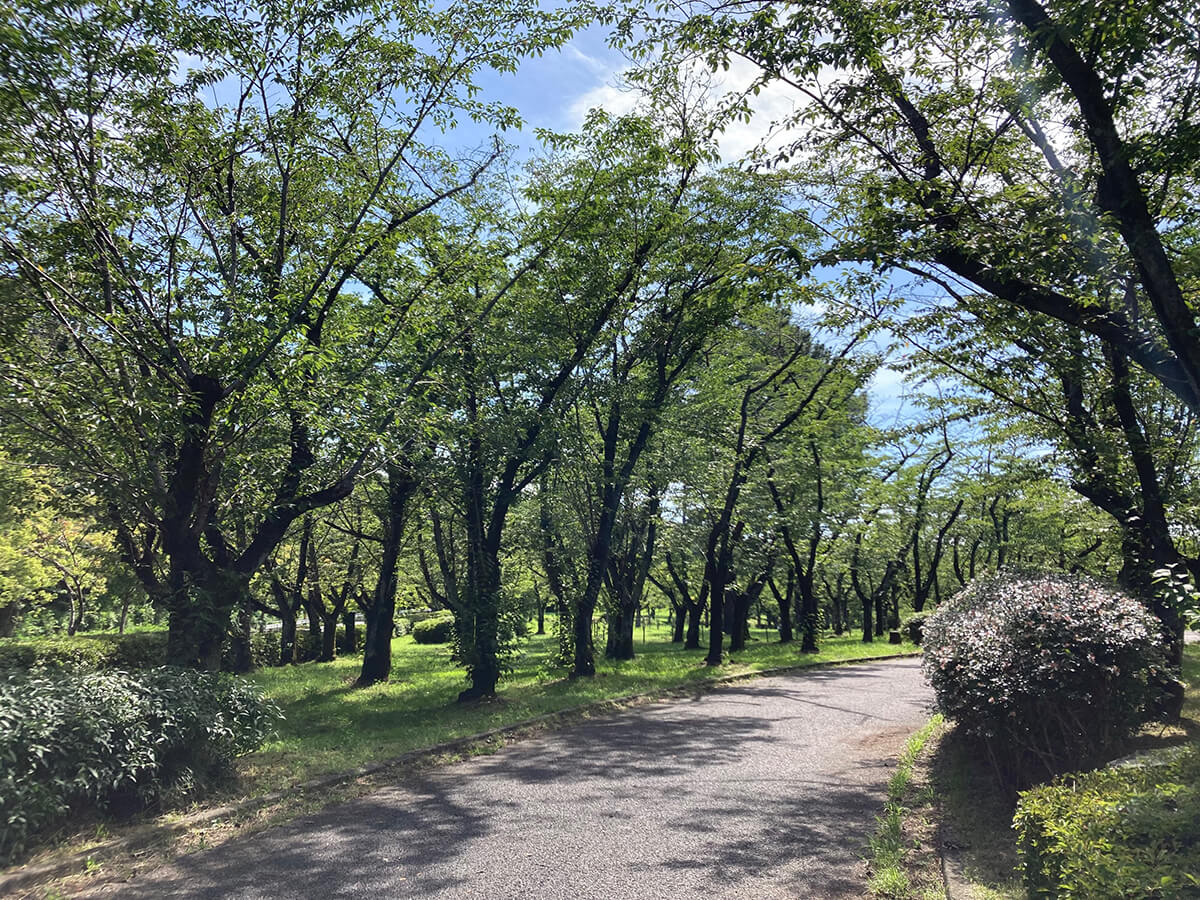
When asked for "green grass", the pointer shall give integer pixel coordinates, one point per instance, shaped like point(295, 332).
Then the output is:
point(1191, 677)
point(889, 844)
point(331, 726)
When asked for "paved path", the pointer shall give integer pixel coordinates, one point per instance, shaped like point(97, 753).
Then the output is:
point(763, 789)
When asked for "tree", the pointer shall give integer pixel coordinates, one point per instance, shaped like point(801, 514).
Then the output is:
point(192, 277)
point(25, 578)
point(943, 162)
point(926, 132)
point(810, 480)
point(702, 239)
point(769, 381)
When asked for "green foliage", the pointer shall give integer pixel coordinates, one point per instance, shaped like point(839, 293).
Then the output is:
point(1127, 831)
point(236, 344)
point(70, 741)
point(138, 650)
point(264, 650)
point(914, 626)
point(434, 631)
point(1049, 670)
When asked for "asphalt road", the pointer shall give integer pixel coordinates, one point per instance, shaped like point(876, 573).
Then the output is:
point(763, 789)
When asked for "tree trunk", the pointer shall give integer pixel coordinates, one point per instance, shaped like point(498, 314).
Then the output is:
point(868, 633)
point(377, 642)
point(584, 662)
point(8, 619)
point(810, 615)
point(313, 612)
point(678, 623)
point(195, 637)
point(786, 635)
point(716, 624)
point(243, 657)
point(692, 640)
point(380, 612)
point(380, 623)
point(328, 638)
point(350, 638)
point(287, 638)
point(739, 607)
point(125, 601)
point(623, 636)
point(75, 599)
point(483, 660)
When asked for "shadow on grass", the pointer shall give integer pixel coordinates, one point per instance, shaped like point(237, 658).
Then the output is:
point(976, 814)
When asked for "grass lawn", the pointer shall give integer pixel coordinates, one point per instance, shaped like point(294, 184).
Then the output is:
point(331, 726)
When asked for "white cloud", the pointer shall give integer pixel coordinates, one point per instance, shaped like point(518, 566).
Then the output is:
point(593, 63)
point(773, 104)
point(611, 95)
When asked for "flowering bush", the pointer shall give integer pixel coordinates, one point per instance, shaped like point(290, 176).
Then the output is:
point(74, 740)
point(1048, 670)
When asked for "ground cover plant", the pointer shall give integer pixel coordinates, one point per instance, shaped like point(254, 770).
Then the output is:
point(1124, 831)
point(893, 844)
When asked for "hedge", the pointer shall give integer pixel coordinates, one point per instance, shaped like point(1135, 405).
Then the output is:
point(434, 631)
point(914, 626)
point(74, 741)
point(1120, 832)
point(137, 650)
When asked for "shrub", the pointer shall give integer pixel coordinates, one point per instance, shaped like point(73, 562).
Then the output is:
point(95, 739)
point(434, 631)
point(264, 651)
point(914, 626)
point(1128, 831)
point(1049, 670)
point(137, 650)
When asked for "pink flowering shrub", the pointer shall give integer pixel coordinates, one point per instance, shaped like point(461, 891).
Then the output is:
point(1048, 670)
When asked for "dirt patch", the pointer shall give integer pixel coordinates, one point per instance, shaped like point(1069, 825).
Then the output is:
point(886, 742)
